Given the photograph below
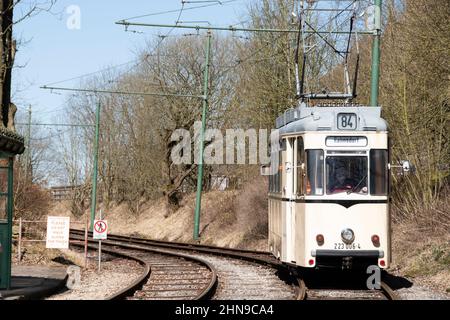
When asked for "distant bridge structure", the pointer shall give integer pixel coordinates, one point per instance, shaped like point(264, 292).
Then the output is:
point(61, 193)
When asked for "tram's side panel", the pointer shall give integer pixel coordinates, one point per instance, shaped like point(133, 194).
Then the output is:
point(300, 223)
point(275, 227)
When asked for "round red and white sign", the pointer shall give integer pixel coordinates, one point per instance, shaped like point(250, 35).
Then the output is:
point(100, 226)
point(100, 229)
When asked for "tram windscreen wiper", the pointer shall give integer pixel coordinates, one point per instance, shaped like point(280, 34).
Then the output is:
point(356, 187)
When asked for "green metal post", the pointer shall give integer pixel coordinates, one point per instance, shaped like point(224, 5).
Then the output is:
point(95, 171)
point(376, 53)
point(198, 201)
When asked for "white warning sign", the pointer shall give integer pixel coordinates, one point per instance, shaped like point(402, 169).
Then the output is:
point(100, 229)
point(58, 232)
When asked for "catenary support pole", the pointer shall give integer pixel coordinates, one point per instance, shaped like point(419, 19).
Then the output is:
point(95, 170)
point(198, 201)
point(376, 54)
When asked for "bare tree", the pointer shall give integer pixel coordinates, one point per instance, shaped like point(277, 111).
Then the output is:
point(8, 51)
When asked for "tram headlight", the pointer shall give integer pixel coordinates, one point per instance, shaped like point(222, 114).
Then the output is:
point(347, 236)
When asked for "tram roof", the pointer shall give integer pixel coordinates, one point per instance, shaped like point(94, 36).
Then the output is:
point(324, 118)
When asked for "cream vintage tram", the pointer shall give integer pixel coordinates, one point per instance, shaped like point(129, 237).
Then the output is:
point(328, 200)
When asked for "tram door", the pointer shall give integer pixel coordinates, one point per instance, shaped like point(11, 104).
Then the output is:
point(289, 197)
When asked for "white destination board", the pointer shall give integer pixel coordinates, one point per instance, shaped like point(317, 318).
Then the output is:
point(100, 229)
point(340, 141)
point(58, 232)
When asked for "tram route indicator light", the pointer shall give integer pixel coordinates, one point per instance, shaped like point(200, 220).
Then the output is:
point(376, 240)
point(320, 239)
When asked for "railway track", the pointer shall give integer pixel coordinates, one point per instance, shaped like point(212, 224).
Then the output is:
point(243, 274)
point(166, 276)
point(315, 294)
point(174, 277)
point(177, 278)
point(346, 288)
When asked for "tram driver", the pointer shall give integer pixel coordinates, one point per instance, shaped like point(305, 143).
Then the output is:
point(347, 181)
point(341, 181)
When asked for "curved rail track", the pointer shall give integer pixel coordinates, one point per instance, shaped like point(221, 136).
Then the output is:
point(342, 289)
point(167, 275)
point(175, 276)
point(243, 274)
point(347, 294)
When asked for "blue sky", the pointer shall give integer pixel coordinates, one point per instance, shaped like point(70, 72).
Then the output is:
point(52, 52)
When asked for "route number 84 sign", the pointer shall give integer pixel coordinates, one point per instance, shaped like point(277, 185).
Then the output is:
point(100, 229)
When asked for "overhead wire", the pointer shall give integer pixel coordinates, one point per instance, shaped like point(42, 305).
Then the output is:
point(172, 11)
point(135, 61)
point(163, 37)
point(325, 38)
point(247, 58)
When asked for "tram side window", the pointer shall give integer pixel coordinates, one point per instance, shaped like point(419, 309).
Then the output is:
point(314, 172)
point(378, 172)
point(278, 175)
point(274, 179)
point(272, 175)
point(270, 182)
point(300, 161)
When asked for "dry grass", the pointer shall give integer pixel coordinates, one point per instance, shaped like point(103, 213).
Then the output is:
point(251, 209)
point(233, 218)
point(422, 254)
point(38, 254)
point(433, 214)
point(421, 242)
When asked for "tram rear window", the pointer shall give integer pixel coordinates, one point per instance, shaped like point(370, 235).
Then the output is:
point(314, 172)
point(378, 172)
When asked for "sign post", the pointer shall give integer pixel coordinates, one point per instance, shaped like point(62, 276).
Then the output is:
point(99, 255)
point(86, 243)
point(100, 233)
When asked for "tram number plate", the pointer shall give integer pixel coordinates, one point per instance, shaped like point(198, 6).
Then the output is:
point(342, 246)
point(346, 121)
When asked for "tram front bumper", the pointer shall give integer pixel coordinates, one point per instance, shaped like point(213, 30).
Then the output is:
point(348, 253)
